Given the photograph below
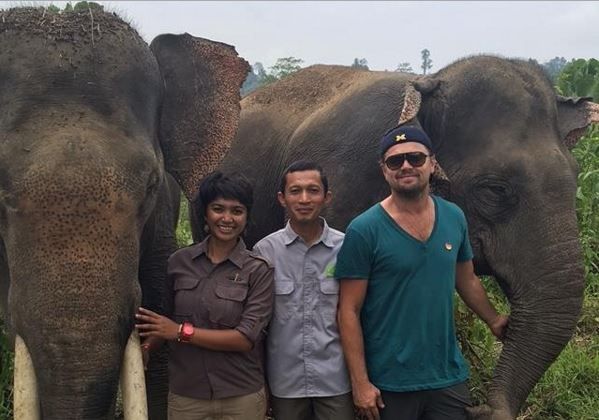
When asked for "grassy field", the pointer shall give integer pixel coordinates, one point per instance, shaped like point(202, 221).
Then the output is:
point(570, 388)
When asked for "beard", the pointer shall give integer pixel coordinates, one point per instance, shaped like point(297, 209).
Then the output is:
point(411, 192)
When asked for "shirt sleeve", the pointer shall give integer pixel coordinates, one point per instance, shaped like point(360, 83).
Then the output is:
point(258, 306)
point(354, 260)
point(465, 253)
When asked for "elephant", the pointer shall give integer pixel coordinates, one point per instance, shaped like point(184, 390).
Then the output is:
point(501, 136)
point(99, 134)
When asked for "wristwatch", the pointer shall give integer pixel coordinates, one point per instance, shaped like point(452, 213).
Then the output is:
point(186, 331)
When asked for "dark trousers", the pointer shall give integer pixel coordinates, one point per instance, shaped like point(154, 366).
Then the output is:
point(339, 407)
point(432, 404)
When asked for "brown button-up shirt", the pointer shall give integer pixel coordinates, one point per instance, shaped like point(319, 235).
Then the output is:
point(234, 294)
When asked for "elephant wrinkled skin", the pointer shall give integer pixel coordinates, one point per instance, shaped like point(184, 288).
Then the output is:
point(500, 134)
point(92, 119)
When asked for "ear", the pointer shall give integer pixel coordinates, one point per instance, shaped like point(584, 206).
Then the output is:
point(574, 116)
point(281, 199)
point(328, 197)
point(200, 106)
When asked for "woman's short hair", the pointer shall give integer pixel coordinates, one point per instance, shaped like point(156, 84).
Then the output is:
point(216, 185)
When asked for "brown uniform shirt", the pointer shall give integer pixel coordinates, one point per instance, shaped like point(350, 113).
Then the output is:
point(235, 294)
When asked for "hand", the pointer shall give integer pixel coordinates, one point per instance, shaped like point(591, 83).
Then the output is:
point(368, 400)
point(155, 325)
point(498, 326)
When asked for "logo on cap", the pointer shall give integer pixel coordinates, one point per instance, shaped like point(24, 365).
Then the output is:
point(400, 137)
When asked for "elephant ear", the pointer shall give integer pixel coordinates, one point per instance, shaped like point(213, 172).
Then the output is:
point(440, 183)
point(200, 106)
point(574, 116)
point(411, 104)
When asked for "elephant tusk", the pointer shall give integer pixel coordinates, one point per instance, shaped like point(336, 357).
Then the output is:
point(133, 385)
point(26, 399)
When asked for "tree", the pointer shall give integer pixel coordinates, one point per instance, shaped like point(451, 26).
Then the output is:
point(285, 66)
point(404, 67)
point(579, 78)
point(427, 63)
point(554, 66)
point(360, 63)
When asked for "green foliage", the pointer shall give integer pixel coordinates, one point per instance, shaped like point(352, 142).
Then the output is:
point(586, 153)
point(258, 77)
point(554, 66)
point(183, 233)
point(6, 376)
point(87, 5)
point(53, 9)
point(286, 66)
point(360, 63)
point(580, 78)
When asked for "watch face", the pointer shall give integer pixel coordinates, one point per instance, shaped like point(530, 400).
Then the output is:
point(187, 329)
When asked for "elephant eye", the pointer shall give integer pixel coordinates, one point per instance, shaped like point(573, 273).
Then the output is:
point(493, 197)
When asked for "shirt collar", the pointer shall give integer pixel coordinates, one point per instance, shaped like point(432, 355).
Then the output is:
point(290, 236)
point(237, 255)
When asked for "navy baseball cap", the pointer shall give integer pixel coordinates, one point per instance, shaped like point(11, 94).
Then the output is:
point(405, 134)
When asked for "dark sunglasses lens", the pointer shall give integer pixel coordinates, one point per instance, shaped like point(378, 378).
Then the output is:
point(416, 159)
point(395, 162)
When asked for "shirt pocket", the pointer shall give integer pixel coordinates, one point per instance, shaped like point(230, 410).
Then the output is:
point(228, 303)
point(185, 297)
point(285, 307)
point(329, 296)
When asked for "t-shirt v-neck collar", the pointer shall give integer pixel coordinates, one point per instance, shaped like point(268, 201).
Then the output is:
point(405, 232)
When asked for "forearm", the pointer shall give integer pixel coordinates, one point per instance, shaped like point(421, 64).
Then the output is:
point(352, 342)
point(220, 340)
point(474, 296)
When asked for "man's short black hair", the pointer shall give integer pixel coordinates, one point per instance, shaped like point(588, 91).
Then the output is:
point(304, 165)
point(230, 187)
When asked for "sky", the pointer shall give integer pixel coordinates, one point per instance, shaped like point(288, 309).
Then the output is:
point(384, 33)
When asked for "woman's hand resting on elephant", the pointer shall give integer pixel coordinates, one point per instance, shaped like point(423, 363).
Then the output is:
point(155, 325)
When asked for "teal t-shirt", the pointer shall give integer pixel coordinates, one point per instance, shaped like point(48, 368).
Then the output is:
point(407, 315)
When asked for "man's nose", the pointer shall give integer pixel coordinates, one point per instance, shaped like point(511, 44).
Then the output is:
point(304, 196)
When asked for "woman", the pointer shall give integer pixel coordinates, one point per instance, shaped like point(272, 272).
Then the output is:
point(222, 299)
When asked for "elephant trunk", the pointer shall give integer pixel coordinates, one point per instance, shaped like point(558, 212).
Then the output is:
point(546, 294)
point(26, 397)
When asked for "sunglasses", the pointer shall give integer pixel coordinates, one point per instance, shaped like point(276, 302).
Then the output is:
point(415, 159)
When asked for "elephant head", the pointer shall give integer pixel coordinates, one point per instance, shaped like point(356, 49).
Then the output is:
point(502, 138)
point(92, 118)
point(501, 135)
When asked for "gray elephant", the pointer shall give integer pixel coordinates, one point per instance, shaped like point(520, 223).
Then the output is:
point(92, 122)
point(501, 136)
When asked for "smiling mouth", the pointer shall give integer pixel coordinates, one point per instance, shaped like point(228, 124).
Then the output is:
point(226, 229)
